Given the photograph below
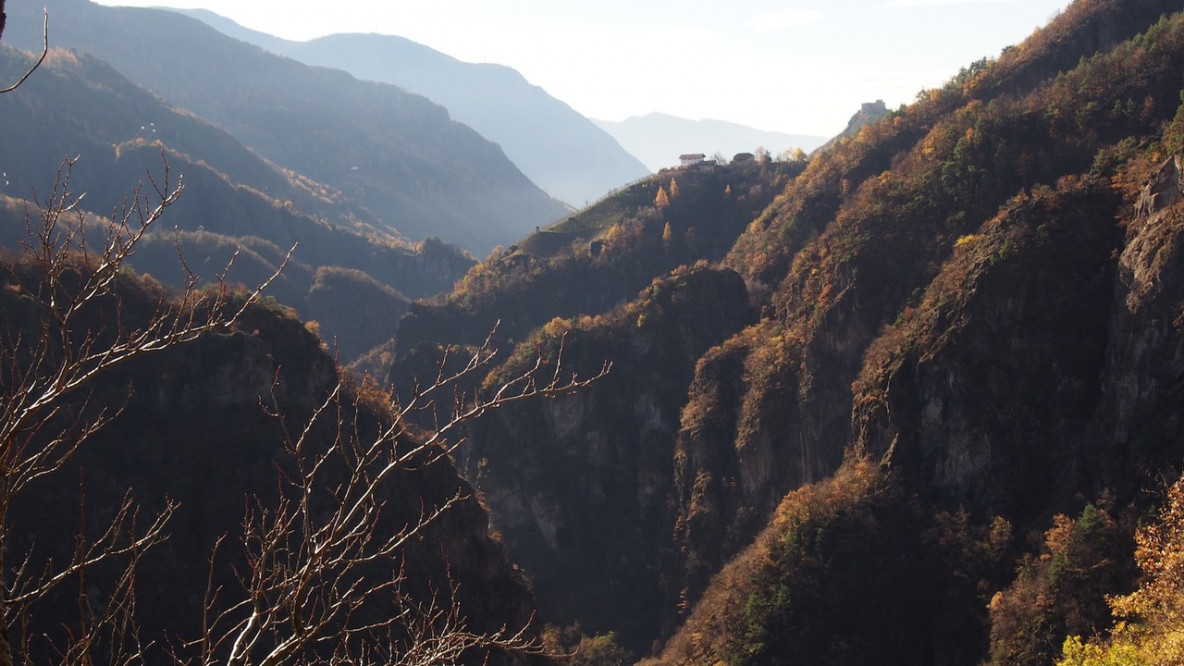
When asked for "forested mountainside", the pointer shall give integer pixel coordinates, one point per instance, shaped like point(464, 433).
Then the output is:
point(916, 399)
point(562, 152)
point(118, 135)
point(601, 256)
point(226, 471)
point(914, 414)
point(595, 262)
point(401, 157)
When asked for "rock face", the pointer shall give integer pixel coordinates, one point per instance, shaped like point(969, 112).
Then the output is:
point(1039, 366)
point(1004, 351)
point(868, 113)
point(988, 415)
point(579, 488)
point(558, 480)
point(1145, 348)
point(1085, 398)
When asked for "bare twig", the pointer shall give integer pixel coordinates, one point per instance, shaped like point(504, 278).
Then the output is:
point(40, 58)
point(71, 331)
point(312, 556)
point(323, 577)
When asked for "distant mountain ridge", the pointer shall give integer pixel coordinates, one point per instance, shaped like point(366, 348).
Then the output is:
point(562, 152)
point(396, 154)
point(234, 201)
point(657, 139)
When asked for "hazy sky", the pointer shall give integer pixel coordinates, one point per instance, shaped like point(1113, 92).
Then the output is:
point(799, 66)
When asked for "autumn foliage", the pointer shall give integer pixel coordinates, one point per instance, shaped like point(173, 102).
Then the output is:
point(1149, 627)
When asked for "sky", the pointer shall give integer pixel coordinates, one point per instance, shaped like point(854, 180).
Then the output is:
point(796, 66)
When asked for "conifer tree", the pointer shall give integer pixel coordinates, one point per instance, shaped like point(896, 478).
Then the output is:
point(661, 200)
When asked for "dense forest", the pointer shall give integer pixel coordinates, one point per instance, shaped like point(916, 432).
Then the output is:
point(913, 414)
point(915, 398)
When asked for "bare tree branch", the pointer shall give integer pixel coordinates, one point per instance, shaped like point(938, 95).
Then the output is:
point(40, 58)
point(313, 554)
point(324, 574)
point(70, 330)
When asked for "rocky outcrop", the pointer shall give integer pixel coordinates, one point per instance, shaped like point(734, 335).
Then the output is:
point(1046, 362)
point(868, 113)
point(1137, 425)
point(984, 390)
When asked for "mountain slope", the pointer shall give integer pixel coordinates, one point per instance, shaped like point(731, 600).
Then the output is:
point(957, 267)
point(558, 149)
point(78, 107)
point(395, 153)
point(201, 433)
point(600, 257)
point(657, 139)
point(590, 473)
point(960, 361)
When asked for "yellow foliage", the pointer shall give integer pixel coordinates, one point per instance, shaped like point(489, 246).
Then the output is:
point(62, 59)
point(966, 242)
point(929, 145)
point(1150, 626)
point(557, 327)
point(615, 235)
point(1078, 653)
point(661, 200)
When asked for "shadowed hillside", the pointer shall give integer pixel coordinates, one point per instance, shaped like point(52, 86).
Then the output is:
point(79, 108)
point(397, 154)
point(207, 441)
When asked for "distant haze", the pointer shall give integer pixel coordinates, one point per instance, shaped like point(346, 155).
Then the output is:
point(558, 149)
point(800, 69)
point(397, 155)
point(657, 139)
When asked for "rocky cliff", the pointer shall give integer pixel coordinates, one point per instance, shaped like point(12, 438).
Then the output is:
point(580, 488)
